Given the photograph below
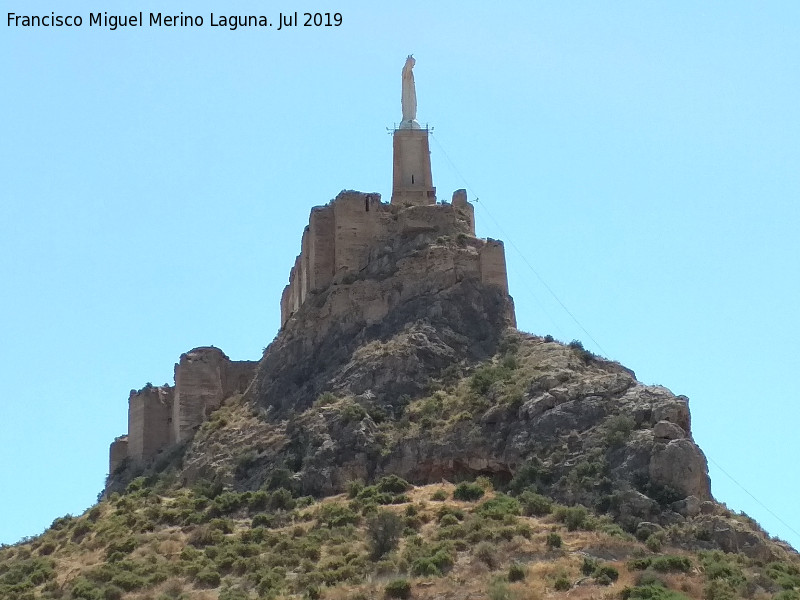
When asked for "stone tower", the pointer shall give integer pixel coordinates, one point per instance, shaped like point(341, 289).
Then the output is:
point(412, 183)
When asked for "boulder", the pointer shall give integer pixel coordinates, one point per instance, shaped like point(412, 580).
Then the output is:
point(665, 430)
point(682, 466)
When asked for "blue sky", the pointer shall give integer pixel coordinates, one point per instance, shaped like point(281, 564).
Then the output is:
point(640, 157)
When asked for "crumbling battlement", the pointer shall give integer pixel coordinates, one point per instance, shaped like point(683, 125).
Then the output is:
point(159, 417)
point(342, 236)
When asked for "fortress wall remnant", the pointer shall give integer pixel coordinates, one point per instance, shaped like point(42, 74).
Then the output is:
point(304, 266)
point(205, 377)
point(161, 416)
point(358, 227)
point(237, 375)
point(466, 210)
point(117, 452)
point(342, 235)
point(322, 225)
point(149, 421)
point(198, 385)
point(493, 264)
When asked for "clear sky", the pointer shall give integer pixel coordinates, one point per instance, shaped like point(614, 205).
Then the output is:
point(641, 157)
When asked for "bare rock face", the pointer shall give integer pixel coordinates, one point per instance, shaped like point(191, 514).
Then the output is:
point(418, 306)
point(681, 465)
point(664, 430)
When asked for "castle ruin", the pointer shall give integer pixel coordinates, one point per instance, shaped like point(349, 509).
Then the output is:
point(341, 241)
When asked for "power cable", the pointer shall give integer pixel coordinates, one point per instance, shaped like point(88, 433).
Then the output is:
point(513, 245)
point(563, 306)
point(764, 506)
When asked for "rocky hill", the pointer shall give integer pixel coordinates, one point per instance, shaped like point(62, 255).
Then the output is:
point(427, 449)
point(401, 438)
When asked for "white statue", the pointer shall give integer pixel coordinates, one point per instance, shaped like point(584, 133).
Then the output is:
point(409, 97)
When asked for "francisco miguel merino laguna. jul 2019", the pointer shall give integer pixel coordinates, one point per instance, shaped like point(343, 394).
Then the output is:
point(232, 22)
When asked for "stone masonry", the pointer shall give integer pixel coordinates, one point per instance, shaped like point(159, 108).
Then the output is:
point(342, 236)
point(159, 417)
point(349, 238)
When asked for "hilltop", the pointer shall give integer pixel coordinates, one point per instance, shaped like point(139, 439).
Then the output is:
point(401, 438)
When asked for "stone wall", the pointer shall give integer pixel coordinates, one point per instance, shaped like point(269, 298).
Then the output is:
point(493, 264)
point(204, 377)
point(117, 453)
point(344, 235)
point(149, 421)
point(159, 417)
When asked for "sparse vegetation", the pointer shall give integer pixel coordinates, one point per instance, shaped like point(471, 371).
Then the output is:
point(398, 588)
point(468, 492)
point(153, 539)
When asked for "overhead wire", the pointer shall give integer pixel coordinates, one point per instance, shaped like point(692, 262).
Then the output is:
point(510, 240)
point(485, 208)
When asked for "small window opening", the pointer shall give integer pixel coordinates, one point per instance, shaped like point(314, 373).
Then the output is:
point(412, 179)
point(366, 204)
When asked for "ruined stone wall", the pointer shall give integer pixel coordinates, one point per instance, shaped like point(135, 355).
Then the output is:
point(343, 235)
point(205, 377)
point(159, 417)
point(149, 421)
point(322, 260)
point(493, 264)
point(117, 453)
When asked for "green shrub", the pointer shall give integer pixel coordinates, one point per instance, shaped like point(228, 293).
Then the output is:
point(205, 535)
point(112, 592)
point(47, 547)
point(516, 572)
point(336, 514)
point(486, 553)
point(605, 574)
point(499, 590)
point(534, 505)
point(383, 533)
point(449, 510)
point(719, 589)
point(529, 476)
point(229, 593)
point(671, 563)
point(574, 517)
point(82, 589)
point(718, 565)
point(439, 495)
point(498, 507)
point(398, 588)
point(652, 591)
point(655, 541)
point(617, 430)
point(562, 583)
point(392, 484)
point(429, 559)
point(325, 399)
point(354, 488)
point(225, 504)
point(468, 492)
point(589, 566)
point(577, 345)
point(448, 520)
point(281, 499)
point(263, 520)
point(208, 577)
point(258, 501)
point(553, 540)
point(786, 575)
